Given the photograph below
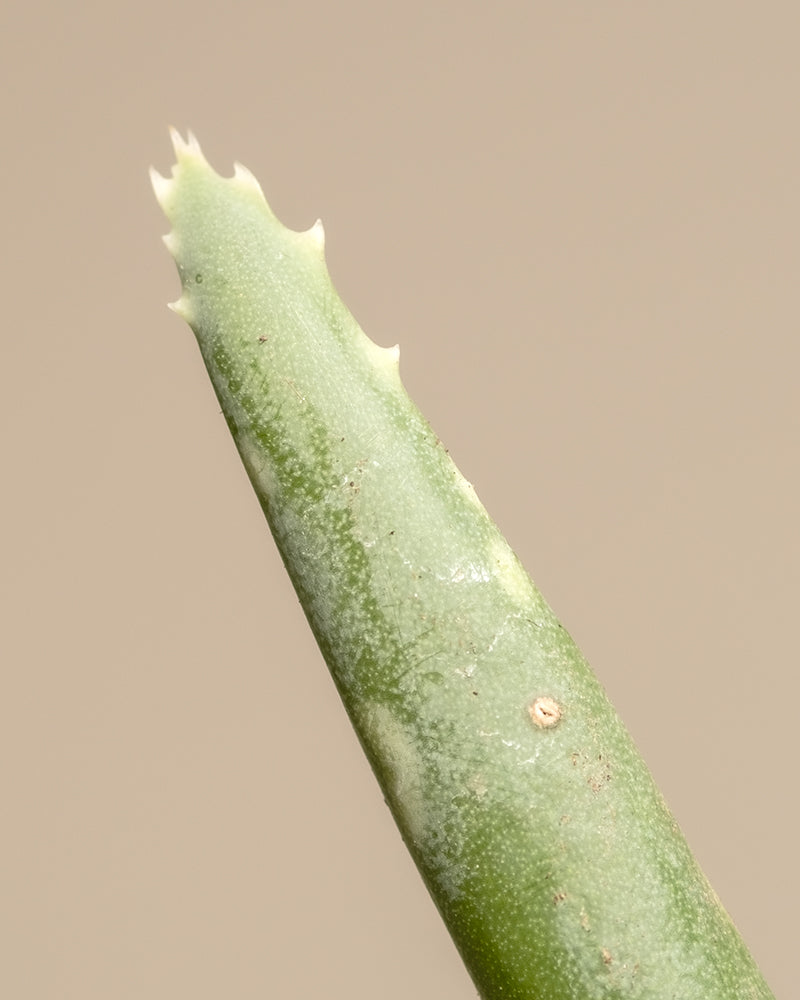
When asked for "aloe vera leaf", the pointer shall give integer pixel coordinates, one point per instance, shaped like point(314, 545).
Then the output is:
point(535, 824)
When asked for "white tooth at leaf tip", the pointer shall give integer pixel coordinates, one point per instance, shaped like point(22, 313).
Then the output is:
point(188, 146)
point(171, 242)
point(178, 143)
point(161, 185)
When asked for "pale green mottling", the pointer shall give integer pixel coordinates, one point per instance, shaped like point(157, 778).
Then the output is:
point(394, 744)
point(510, 573)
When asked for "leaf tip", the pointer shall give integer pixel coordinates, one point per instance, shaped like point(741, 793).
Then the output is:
point(184, 148)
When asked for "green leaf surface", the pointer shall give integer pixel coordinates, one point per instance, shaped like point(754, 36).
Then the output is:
point(534, 822)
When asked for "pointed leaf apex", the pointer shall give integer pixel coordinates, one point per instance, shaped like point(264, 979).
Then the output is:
point(185, 147)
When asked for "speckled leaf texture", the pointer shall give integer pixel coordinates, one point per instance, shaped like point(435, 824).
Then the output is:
point(533, 820)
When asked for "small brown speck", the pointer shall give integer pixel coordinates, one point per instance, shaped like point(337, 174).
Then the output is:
point(545, 712)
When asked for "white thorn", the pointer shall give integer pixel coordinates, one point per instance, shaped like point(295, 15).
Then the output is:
point(161, 186)
point(317, 232)
point(188, 147)
point(191, 141)
point(170, 241)
point(242, 174)
point(181, 307)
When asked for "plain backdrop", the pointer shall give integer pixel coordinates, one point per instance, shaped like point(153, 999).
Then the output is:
point(580, 221)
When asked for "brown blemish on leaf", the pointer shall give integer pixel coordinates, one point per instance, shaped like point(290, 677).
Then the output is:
point(545, 712)
point(597, 769)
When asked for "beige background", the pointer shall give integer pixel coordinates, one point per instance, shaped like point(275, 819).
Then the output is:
point(580, 221)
